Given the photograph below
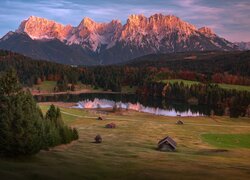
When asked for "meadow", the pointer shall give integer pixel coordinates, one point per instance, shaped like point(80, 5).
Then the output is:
point(224, 86)
point(207, 148)
point(48, 87)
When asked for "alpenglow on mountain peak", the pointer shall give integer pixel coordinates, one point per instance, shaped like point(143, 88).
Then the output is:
point(93, 35)
point(114, 41)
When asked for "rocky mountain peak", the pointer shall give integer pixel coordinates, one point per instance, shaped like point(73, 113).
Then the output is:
point(206, 31)
point(243, 45)
point(134, 18)
point(41, 28)
point(87, 23)
point(141, 35)
point(158, 23)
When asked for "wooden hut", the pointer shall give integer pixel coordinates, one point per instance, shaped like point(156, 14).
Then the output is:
point(100, 118)
point(111, 125)
point(179, 122)
point(98, 139)
point(167, 144)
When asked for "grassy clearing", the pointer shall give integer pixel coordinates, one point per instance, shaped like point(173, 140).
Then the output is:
point(128, 89)
point(228, 140)
point(81, 86)
point(236, 87)
point(46, 86)
point(49, 86)
point(129, 151)
point(224, 86)
point(186, 82)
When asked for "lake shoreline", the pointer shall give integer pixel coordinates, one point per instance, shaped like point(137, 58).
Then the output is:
point(35, 93)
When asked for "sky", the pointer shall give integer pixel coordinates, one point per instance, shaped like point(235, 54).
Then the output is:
point(228, 18)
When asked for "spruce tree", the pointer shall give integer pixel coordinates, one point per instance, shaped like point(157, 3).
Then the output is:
point(23, 129)
point(20, 119)
point(54, 116)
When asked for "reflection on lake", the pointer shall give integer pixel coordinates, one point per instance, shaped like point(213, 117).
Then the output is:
point(104, 103)
point(155, 105)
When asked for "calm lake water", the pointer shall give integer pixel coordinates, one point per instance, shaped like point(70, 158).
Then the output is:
point(129, 101)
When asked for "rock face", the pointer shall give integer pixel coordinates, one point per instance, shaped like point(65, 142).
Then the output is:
point(243, 45)
point(40, 28)
point(92, 35)
point(113, 42)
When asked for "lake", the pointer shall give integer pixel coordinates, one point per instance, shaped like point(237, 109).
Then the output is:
point(151, 105)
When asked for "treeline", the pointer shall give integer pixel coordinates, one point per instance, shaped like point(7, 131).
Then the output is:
point(114, 77)
point(207, 67)
point(32, 72)
point(236, 63)
point(224, 102)
point(23, 128)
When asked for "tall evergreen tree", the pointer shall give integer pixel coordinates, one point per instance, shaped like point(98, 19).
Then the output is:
point(20, 119)
point(54, 116)
point(23, 129)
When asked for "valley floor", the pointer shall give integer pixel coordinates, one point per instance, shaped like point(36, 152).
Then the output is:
point(129, 150)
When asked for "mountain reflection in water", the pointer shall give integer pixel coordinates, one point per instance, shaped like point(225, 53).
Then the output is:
point(104, 103)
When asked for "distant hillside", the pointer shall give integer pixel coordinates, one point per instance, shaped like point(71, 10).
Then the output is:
point(51, 50)
point(30, 70)
point(204, 62)
point(206, 67)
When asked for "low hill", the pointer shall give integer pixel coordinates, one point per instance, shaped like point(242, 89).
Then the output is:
point(236, 62)
point(51, 50)
point(30, 70)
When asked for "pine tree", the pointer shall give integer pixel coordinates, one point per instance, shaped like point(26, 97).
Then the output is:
point(54, 116)
point(23, 129)
point(20, 119)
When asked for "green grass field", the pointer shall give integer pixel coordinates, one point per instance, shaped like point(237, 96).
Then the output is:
point(224, 86)
point(129, 151)
point(49, 86)
point(236, 87)
point(127, 89)
point(228, 140)
point(186, 82)
point(46, 86)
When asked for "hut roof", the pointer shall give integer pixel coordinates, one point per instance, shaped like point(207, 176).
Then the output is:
point(111, 125)
point(98, 139)
point(168, 140)
point(100, 118)
point(180, 122)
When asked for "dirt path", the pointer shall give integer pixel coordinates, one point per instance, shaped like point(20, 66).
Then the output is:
point(83, 91)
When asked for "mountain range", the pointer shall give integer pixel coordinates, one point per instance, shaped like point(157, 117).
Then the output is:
point(243, 45)
point(93, 43)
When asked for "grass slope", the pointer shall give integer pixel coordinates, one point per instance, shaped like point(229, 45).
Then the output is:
point(129, 151)
point(236, 87)
point(46, 86)
point(228, 140)
point(224, 86)
point(186, 82)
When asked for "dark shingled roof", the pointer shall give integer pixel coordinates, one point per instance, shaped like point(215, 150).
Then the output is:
point(168, 140)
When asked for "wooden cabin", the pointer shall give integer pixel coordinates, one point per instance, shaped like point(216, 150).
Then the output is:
point(98, 139)
point(100, 118)
point(111, 125)
point(179, 122)
point(167, 144)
